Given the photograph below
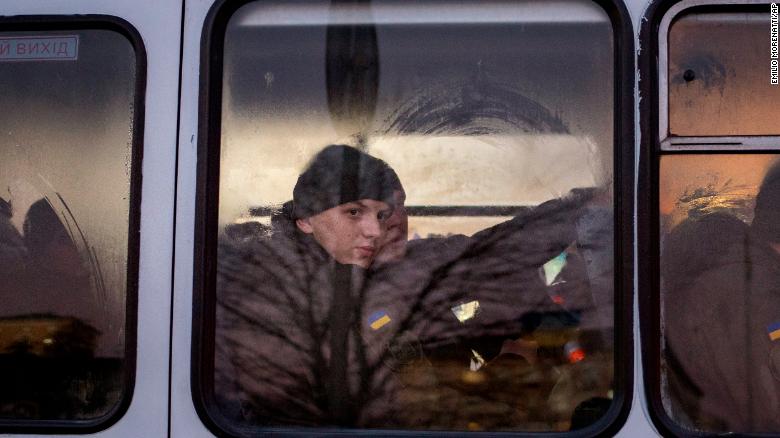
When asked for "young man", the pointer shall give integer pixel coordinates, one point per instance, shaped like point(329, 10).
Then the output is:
point(291, 307)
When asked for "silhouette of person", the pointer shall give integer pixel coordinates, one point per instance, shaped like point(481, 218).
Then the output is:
point(722, 303)
point(54, 279)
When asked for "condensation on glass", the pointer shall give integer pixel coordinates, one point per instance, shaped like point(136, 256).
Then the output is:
point(496, 310)
point(66, 111)
point(720, 290)
point(719, 236)
point(719, 76)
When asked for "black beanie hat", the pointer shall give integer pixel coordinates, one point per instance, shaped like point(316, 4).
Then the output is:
point(766, 222)
point(339, 174)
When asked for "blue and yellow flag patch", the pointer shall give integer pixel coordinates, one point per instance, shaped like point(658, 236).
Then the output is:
point(773, 330)
point(379, 319)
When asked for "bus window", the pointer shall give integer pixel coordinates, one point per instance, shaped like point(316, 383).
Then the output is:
point(69, 153)
point(712, 271)
point(410, 217)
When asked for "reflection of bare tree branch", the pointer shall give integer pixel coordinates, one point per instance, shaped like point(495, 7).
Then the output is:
point(298, 347)
point(251, 320)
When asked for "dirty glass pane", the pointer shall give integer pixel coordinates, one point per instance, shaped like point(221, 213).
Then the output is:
point(719, 75)
point(720, 291)
point(463, 282)
point(66, 109)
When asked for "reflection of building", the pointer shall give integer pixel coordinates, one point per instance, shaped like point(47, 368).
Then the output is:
point(46, 335)
point(508, 393)
point(48, 369)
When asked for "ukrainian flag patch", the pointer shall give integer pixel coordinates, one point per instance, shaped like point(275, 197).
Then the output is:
point(773, 330)
point(379, 319)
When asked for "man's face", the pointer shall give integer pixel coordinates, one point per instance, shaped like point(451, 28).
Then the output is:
point(392, 247)
point(351, 232)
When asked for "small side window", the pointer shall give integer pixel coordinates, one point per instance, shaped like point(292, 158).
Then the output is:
point(70, 110)
point(712, 282)
point(720, 75)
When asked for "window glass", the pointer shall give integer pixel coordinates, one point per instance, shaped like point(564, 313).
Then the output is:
point(66, 114)
point(451, 268)
point(719, 75)
point(720, 283)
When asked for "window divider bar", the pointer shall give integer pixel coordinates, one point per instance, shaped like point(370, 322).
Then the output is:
point(725, 144)
point(443, 210)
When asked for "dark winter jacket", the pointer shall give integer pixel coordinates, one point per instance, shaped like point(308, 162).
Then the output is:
point(303, 340)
